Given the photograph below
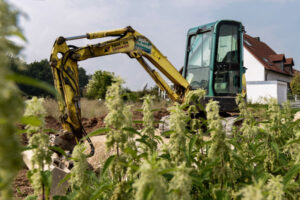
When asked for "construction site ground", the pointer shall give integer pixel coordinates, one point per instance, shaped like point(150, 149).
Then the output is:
point(21, 184)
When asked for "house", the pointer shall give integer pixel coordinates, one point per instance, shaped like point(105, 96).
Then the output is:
point(268, 74)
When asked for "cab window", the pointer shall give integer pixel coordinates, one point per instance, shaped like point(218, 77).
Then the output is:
point(227, 67)
point(198, 62)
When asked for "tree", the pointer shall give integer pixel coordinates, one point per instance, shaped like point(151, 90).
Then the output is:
point(97, 86)
point(40, 70)
point(83, 79)
point(295, 84)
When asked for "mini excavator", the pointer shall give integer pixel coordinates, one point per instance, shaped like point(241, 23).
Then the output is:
point(213, 61)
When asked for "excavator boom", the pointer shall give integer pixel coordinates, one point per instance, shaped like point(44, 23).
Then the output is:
point(64, 62)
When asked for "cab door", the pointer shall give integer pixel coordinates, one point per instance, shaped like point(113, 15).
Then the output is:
point(227, 60)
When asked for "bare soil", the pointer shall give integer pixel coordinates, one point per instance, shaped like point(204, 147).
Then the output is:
point(21, 185)
point(95, 123)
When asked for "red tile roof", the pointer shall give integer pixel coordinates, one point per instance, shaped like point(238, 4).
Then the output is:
point(265, 55)
point(277, 57)
point(289, 61)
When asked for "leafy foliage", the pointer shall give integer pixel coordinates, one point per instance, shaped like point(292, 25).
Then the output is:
point(151, 184)
point(83, 79)
point(259, 159)
point(79, 175)
point(134, 96)
point(35, 109)
point(98, 84)
point(295, 84)
point(11, 104)
point(39, 176)
point(40, 70)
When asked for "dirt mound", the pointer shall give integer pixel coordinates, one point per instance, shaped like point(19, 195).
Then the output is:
point(21, 185)
point(93, 123)
point(52, 123)
point(160, 114)
point(138, 117)
point(98, 122)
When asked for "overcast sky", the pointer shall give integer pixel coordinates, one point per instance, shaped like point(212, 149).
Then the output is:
point(164, 22)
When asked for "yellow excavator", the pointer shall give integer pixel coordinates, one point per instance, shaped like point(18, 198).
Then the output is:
point(213, 61)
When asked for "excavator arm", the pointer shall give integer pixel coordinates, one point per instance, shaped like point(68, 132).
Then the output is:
point(64, 63)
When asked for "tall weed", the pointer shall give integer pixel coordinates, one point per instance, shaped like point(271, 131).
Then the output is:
point(259, 160)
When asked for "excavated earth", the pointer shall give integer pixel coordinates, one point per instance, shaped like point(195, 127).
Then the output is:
point(21, 184)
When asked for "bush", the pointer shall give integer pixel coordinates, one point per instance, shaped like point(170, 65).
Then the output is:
point(97, 86)
point(295, 84)
point(134, 96)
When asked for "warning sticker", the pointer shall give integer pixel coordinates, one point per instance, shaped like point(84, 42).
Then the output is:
point(143, 44)
point(118, 46)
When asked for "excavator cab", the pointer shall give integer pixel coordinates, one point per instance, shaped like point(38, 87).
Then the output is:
point(214, 61)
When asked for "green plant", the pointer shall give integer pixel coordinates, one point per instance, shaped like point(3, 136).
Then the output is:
point(148, 121)
point(295, 84)
point(259, 159)
point(151, 184)
point(181, 184)
point(36, 111)
point(98, 84)
point(178, 140)
point(79, 180)
point(39, 176)
point(117, 119)
point(11, 104)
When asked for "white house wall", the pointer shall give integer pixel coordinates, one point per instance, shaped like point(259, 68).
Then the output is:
point(255, 70)
point(259, 91)
point(281, 92)
point(276, 76)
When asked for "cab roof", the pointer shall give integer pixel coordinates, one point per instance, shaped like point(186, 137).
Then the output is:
point(208, 26)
